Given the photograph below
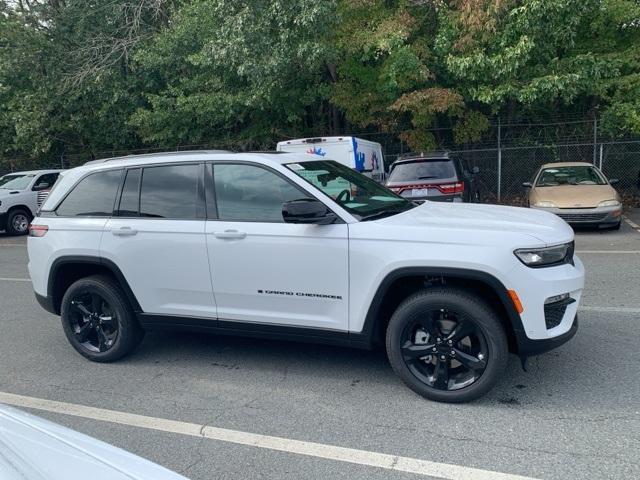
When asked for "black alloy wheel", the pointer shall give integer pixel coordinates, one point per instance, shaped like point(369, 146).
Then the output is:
point(93, 321)
point(447, 344)
point(98, 319)
point(444, 350)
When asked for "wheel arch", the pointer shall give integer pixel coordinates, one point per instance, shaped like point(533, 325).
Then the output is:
point(66, 270)
point(401, 283)
point(20, 206)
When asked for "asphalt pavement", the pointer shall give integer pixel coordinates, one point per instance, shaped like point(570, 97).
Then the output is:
point(575, 414)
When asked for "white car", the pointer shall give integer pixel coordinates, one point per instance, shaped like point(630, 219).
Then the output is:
point(21, 194)
point(262, 245)
point(32, 448)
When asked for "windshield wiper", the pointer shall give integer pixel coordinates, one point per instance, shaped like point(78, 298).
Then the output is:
point(382, 214)
point(427, 177)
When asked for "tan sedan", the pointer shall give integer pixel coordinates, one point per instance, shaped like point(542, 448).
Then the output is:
point(577, 192)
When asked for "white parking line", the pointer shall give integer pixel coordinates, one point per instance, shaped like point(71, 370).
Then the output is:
point(318, 450)
point(587, 308)
point(631, 223)
point(10, 279)
point(13, 244)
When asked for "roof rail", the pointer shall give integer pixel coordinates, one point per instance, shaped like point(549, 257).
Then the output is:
point(158, 154)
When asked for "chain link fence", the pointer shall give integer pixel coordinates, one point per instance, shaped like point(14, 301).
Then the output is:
point(507, 156)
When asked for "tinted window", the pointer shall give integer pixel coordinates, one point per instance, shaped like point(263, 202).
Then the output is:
point(422, 170)
point(94, 196)
point(250, 193)
point(48, 178)
point(169, 192)
point(130, 195)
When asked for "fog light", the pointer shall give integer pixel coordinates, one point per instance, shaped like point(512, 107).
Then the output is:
point(556, 298)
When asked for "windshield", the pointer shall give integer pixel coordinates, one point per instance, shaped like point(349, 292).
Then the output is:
point(15, 182)
point(422, 170)
point(576, 175)
point(359, 195)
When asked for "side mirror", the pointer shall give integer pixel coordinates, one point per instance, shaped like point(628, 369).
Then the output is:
point(475, 170)
point(307, 210)
point(613, 181)
point(527, 185)
point(41, 186)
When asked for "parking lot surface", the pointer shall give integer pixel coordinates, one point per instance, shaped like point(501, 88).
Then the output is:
point(574, 414)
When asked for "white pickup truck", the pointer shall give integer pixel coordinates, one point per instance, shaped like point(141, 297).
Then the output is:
point(21, 194)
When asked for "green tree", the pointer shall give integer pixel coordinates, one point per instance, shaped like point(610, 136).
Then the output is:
point(236, 73)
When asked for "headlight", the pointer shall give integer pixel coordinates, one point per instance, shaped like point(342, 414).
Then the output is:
point(609, 203)
point(546, 256)
point(545, 204)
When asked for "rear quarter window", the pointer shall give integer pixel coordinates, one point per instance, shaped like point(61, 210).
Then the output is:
point(93, 196)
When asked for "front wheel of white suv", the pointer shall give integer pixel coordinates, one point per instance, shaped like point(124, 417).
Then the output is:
point(447, 345)
point(98, 320)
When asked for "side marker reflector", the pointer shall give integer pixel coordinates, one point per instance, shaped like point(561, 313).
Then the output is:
point(516, 301)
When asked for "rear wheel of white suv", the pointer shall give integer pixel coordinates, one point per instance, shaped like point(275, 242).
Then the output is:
point(447, 345)
point(98, 319)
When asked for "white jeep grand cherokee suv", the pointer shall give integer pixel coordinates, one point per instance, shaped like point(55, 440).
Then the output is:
point(280, 246)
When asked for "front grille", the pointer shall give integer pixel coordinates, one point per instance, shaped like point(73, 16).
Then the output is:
point(582, 217)
point(554, 312)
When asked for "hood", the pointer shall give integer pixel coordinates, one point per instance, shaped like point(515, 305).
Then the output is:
point(471, 218)
point(574, 196)
point(34, 449)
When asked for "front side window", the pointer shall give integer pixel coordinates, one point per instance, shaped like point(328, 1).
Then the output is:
point(47, 179)
point(93, 196)
point(252, 194)
point(359, 195)
point(169, 191)
point(15, 182)
point(570, 175)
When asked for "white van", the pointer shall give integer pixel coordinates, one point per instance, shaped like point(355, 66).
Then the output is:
point(362, 155)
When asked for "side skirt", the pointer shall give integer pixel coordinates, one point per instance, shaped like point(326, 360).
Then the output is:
point(253, 330)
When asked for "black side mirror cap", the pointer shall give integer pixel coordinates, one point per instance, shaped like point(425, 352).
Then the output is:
point(307, 210)
point(613, 181)
point(527, 185)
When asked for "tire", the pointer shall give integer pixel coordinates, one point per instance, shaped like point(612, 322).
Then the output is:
point(486, 349)
point(18, 222)
point(119, 336)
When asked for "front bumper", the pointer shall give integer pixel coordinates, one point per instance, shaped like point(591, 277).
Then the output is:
point(587, 216)
point(539, 329)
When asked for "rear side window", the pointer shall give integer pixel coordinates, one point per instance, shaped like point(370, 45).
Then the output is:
point(93, 196)
point(169, 192)
point(423, 170)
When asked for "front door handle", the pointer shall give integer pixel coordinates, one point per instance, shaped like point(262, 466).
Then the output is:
point(230, 235)
point(124, 231)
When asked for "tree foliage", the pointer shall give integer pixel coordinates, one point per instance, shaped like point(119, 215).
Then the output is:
point(89, 76)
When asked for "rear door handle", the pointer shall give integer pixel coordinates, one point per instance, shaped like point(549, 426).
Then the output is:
point(230, 234)
point(124, 231)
